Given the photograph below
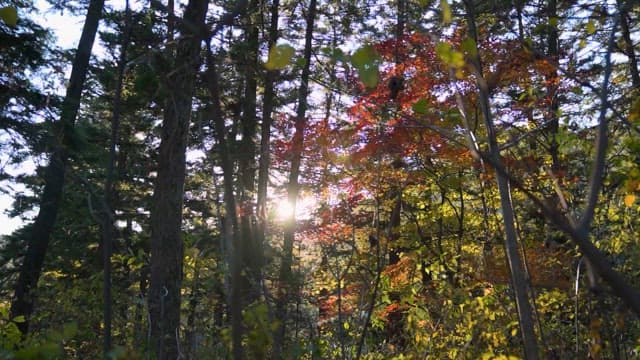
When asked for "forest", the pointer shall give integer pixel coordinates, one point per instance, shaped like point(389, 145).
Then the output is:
point(321, 179)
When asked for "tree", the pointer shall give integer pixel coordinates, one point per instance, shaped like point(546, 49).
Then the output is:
point(286, 281)
point(22, 304)
point(519, 282)
point(166, 215)
point(386, 124)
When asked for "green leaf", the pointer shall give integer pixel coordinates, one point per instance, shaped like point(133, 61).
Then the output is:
point(18, 319)
point(469, 45)
point(69, 330)
point(366, 60)
point(369, 76)
point(345, 325)
point(446, 11)
point(336, 54)
point(365, 56)
point(420, 106)
point(591, 27)
point(9, 15)
point(448, 55)
point(279, 56)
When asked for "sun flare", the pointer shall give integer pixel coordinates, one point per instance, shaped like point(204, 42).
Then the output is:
point(305, 206)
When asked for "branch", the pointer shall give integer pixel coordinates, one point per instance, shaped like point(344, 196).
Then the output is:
point(597, 171)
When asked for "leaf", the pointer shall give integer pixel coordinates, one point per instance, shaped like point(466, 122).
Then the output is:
point(369, 76)
point(365, 60)
point(420, 106)
point(335, 54)
point(469, 45)
point(634, 112)
point(582, 43)
point(345, 325)
point(365, 56)
point(629, 199)
point(18, 319)
point(279, 56)
point(446, 11)
point(448, 55)
point(9, 15)
point(591, 27)
point(69, 330)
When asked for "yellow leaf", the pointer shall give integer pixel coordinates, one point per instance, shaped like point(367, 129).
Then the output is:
point(279, 57)
point(591, 27)
point(629, 199)
point(446, 11)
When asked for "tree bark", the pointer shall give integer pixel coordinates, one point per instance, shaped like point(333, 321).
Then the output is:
point(107, 225)
point(23, 301)
point(265, 131)
point(629, 48)
point(518, 278)
point(552, 80)
point(231, 231)
point(286, 281)
point(166, 215)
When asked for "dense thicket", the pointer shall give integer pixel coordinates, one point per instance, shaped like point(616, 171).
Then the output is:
point(323, 179)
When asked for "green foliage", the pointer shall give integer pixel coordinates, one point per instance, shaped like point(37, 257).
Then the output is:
point(366, 60)
point(50, 346)
point(260, 327)
point(9, 15)
point(450, 56)
point(420, 107)
point(446, 294)
point(446, 11)
point(279, 56)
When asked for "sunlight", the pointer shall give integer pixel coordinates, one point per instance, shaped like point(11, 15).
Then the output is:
point(304, 209)
point(284, 209)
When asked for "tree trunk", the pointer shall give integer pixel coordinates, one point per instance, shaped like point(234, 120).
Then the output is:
point(518, 278)
point(265, 131)
point(107, 225)
point(23, 301)
point(250, 248)
point(286, 281)
point(629, 48)
point(552, 80)
point(166, 215)
point(231, 227)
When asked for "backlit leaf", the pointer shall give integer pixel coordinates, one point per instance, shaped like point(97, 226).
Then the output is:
point(629, 199)
point(369, 76)
point(9, 15)
point(591, 27)
point(446, 11)
point(469, 45)
point(279, 56)
point(366, 60)
point(448, 55)
point(365, 56)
